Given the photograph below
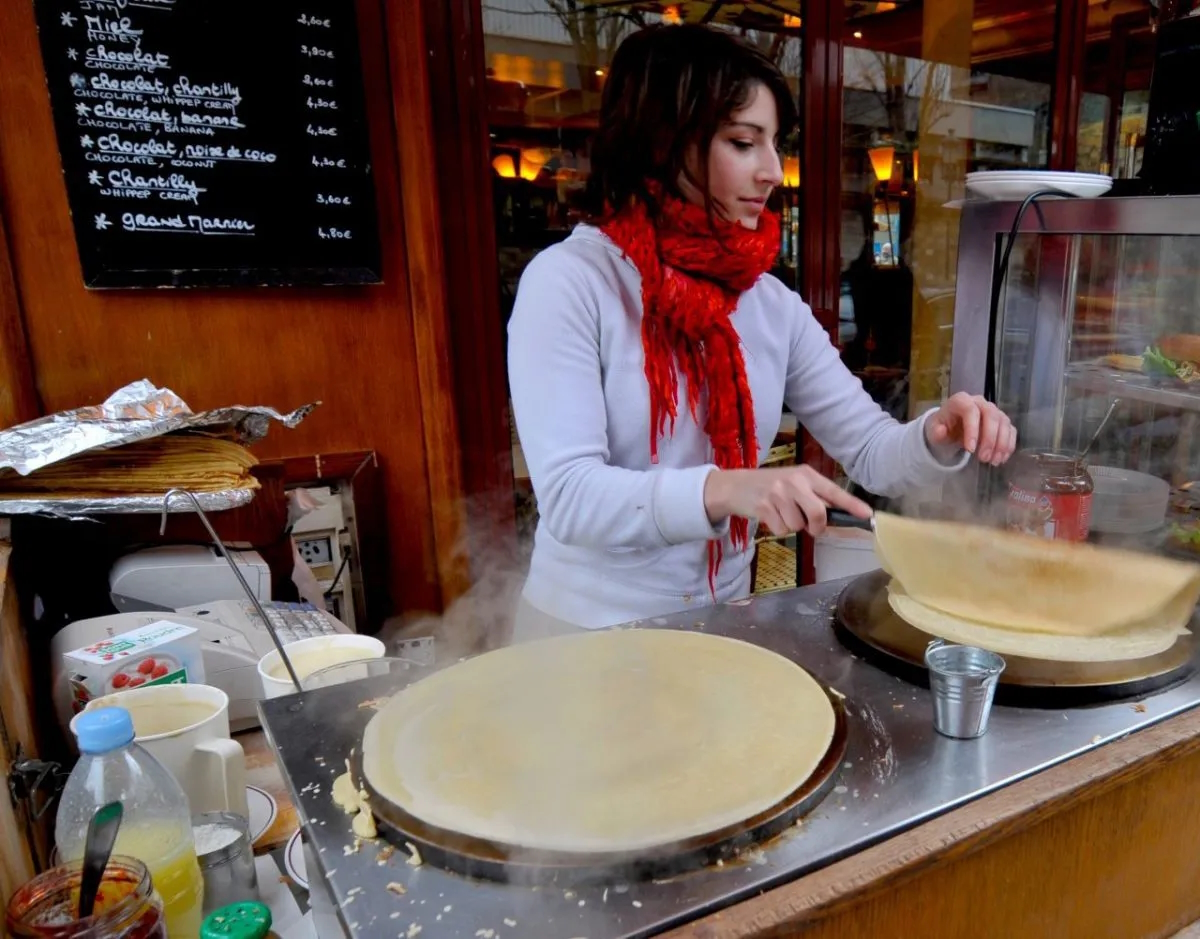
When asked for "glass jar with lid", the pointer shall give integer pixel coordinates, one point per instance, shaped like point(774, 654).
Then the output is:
point(127, 905)
point(1050, 495)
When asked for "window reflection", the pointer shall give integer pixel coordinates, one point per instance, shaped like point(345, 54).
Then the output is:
point(1118, 64)
point(933, 90)
point(546, 63)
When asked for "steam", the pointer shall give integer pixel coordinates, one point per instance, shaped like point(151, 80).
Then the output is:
point(481, 619)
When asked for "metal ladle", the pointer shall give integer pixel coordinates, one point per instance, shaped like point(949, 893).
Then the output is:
point(224, 552)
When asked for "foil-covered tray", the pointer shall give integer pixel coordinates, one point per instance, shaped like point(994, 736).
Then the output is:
point(138, 411)
point(125, 505)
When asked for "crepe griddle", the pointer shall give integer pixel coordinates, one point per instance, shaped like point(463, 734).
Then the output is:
point(867, 625)
point(490, 860)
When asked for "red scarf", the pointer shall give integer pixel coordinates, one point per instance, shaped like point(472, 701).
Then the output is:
point(693, 272)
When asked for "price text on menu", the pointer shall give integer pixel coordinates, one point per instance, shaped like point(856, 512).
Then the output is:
point(213, 142)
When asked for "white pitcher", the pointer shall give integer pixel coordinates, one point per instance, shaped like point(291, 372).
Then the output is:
point(186, 728)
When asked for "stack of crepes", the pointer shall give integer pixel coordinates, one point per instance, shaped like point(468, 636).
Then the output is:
point(197, 463)
point(1031, 597)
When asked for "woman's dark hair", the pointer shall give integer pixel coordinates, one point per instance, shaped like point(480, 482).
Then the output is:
point(670, 88)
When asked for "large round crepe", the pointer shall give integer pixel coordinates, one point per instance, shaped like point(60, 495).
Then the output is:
point(1020, 582)
point(1119, 646)
point(612, 741)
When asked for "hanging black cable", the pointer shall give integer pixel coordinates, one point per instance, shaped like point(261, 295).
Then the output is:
point(988, 480)
point(999, 276)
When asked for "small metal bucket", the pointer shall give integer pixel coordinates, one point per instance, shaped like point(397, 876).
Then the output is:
point(963, 681)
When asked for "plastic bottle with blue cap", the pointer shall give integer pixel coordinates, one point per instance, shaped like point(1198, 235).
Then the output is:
point(157, 826)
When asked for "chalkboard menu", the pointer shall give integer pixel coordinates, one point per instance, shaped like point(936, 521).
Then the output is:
point(213, 142)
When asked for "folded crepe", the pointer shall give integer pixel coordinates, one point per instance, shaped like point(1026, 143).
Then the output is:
point(1135, 642)
point(1009, 581)
point(157, 465)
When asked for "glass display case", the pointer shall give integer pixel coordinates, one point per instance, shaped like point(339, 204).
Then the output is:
point(1091, 343)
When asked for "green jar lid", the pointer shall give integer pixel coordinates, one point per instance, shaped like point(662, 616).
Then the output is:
point(249, 920)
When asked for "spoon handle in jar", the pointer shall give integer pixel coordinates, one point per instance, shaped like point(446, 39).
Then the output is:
point(101, 835)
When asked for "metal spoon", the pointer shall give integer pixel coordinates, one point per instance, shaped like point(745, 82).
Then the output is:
point(101, 835)
point(1096, 436)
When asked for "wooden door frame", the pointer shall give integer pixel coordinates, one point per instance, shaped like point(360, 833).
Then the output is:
point(454, 42)
point(821, 110)
point(1070, 57)
point(19, 401)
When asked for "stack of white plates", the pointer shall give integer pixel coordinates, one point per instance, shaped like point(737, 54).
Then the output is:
point(1014, 185)
point(1127, 502)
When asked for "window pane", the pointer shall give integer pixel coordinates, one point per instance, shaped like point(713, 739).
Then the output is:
point(1120, 58)
point(933, 90)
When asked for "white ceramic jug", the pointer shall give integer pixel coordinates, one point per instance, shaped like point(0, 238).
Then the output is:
point(186, 728)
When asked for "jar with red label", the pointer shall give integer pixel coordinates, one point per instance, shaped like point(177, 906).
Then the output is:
point(127, 905)
point(1050, 495)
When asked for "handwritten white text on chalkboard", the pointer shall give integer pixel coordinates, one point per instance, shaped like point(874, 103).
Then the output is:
point(100, 56)
point(127, 179)
point(189, 224)
point(144, 114)
point(220, 91)
point(119, 6)
point(115, 143)
point(226, 121)
point(200, 151)
point(99, 29)
point(138, 84)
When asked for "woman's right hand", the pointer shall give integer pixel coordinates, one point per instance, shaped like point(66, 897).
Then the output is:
point(785, 499)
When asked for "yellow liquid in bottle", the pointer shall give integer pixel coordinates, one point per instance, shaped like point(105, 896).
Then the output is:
point(176, 874)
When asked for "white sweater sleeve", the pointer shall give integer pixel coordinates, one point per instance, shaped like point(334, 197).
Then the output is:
point(878, 452)
point(558, 403)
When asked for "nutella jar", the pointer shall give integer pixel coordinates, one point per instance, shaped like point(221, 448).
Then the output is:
point(1050, 495)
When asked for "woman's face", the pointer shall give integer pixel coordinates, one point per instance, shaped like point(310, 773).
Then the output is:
point(743, 165)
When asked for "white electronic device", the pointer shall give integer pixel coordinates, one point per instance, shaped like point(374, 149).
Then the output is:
point(174, 576)
point(232, 635)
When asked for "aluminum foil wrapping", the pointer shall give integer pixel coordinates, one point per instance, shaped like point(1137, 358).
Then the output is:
point(136, 412)
point(124, 505)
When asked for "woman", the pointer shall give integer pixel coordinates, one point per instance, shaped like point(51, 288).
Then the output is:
point(650, 355)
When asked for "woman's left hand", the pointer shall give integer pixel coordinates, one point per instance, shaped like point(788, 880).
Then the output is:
point(974, 424)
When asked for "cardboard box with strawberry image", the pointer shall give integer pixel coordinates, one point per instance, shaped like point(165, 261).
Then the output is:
point(162, 653)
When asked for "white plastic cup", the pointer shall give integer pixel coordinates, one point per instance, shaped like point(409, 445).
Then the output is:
point(305, 662)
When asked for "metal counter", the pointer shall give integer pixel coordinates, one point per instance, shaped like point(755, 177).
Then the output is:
point(898, 772)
